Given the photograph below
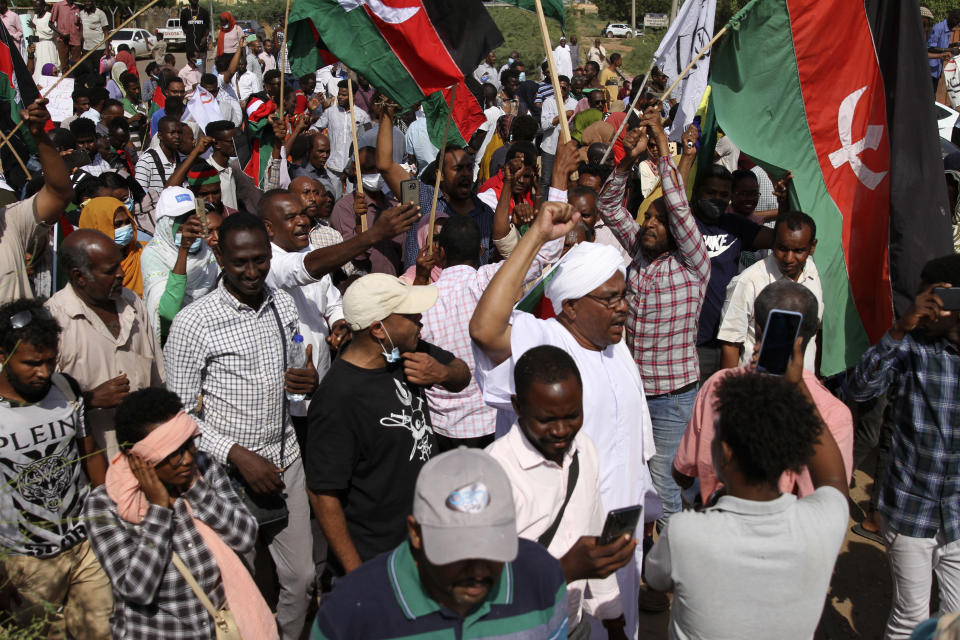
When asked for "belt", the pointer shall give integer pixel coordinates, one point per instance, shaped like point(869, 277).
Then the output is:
point(675, 392)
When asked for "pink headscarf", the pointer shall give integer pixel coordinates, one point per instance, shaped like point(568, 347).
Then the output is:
point(248, 607)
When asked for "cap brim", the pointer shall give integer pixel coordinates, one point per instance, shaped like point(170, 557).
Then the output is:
point(443, 545)
point(418, 300)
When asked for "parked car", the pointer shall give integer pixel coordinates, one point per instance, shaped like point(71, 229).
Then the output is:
point(252, 27)
point(620, 30)
point(139, 40)
point(172, 34)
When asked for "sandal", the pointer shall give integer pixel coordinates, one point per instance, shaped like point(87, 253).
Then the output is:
point(863, 532)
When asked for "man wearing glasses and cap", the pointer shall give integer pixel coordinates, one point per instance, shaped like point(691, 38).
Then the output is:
point(47, 559)
point(462, 571)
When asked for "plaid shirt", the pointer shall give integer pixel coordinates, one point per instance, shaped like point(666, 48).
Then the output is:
point(152, 599)
point(665, 294)
point(232, 356)
point(921, 490)
point(447, 325)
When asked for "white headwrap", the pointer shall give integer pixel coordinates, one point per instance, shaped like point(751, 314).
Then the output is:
point(585, 267)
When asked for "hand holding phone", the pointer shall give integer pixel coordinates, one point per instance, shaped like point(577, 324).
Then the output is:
point(949, 297)
point(587, 558)
point(776, 346)
point(410, 191)
point(620, 522)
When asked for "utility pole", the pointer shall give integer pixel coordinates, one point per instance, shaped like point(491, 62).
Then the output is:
point(673, 11)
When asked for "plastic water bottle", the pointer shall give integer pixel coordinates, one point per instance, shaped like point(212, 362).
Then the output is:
point(297, 353)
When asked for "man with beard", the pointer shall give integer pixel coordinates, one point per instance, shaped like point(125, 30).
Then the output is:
point(239, 191)
point(108, 344)
point(45, 443)
point(316, 166)
point(336, 119)
point(174, 94)
point(456, 195)
point(588, 293)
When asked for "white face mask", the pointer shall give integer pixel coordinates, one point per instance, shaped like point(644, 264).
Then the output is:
point(394, 355)
point(373, 182)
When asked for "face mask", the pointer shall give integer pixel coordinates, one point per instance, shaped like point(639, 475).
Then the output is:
point(198, 62)
point(194, 246)
point(128, 203)
point(523, 76)
point(394, 355)
point(123, 235)
point(373, 182)
point(509, 61)
point(710, 209)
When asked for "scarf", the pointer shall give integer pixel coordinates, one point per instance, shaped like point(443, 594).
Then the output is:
point(496, 184)
point(117, 70)
point(98, 214)
point(231, 23)
point(250, 611)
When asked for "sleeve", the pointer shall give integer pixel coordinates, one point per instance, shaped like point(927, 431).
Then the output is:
point(21, 218)
point(323, 121)
point(171, 301)
point(144, 169)
point(440, 355)
point(361, 116)
point(683, 228)
point(334, 303)
point(134, 561)
point(658, 570)
point(488, 197)
point(214, 501)
point(332, 446)
point(507, 243)
point(548, 254)
point(547, 114)
point(621, 223)
point(737, 311)
point(883, 363)
point(288, 270)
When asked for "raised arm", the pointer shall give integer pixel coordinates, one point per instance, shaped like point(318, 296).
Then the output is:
point(57, 192)
point(490, 324)
point(179, 176)
point(392, 172)
point(610, 204)
point(234, 63)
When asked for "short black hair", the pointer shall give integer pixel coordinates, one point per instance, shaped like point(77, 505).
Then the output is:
point(167, 120)
point(208, 78)
point(595, 152)
point(795, 221)
point(150, 67)
point(614, 57)
point(343, 84)
point(63, 140)
point(241, 221)
point(222, 62)
point(126, 78)
point(562, 78)
point(113, 180)
point(524, 150)
point(173, 80)
point(767, 423)
point(593, 64)
point(743, 174)
point(87, 187)
point(790, 296)
point(506, 74)
point(110, 102)
point(82, 127)
point(450, 148)
point(219, 126)
point(545, 364)
point(43, 329)
point(524, 128)
point(141, 410)
point(717, 171)
point(123, 47)
point(593, 169)
point(943, 269)
point(460, 239)
point(119, 123)
point(577, 190)
point(270, 75)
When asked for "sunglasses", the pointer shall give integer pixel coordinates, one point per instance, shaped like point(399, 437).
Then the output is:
point(21, 319)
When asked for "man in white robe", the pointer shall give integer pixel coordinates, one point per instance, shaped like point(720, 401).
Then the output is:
point(561, 57)
point(587, 292)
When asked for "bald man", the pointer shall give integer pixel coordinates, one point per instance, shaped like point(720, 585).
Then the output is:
point(107, 344)
point(316, 166)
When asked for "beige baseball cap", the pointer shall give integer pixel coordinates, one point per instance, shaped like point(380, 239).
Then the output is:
point(375, 296)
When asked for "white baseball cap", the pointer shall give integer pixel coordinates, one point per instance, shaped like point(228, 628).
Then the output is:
point(377, 295)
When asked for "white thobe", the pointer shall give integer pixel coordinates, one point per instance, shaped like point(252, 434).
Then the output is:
point(339, 131)
point(615, 416)
point(561, 57)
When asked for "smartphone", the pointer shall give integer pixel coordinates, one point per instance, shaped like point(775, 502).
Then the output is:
point(950, 296)
point(410, 191)
point(779, 335)
point(619, 522)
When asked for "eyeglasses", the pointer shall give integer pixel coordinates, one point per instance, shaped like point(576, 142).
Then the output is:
point(611, 302)
point(176, 458)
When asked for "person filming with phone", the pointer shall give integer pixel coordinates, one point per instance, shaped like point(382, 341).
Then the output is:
point(918, 362)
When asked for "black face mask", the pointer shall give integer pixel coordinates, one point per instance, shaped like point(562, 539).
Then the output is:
point(710, 209)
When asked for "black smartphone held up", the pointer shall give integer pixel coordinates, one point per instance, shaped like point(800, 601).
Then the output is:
point(619, 522)
point(949, 296)
point(410, 191)
point(778, 338)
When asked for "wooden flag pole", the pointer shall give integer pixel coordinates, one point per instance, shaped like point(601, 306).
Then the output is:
point(564, 125)
point(436, 182)
point(633, 105)
point(356, 150)
point(283, 58)
point(6, 139)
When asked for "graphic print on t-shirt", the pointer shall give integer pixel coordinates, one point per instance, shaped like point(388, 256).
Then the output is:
point(415, 422)
point(717, 245)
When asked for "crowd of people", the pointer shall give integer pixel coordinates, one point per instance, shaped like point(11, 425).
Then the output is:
point(250, 389)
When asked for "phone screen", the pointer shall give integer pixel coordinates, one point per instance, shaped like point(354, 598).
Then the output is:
point(950, 296)
point(778, 338)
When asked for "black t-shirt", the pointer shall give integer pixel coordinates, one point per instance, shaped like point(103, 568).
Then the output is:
point(195, 27)
point(731, 234)
point(369, 436)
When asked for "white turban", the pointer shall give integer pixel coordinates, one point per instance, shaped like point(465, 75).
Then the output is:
point(585, 267)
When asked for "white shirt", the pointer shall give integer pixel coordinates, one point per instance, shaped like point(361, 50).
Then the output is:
point(493, 77)
point(269, 62)
point(561, 56)
point(615, 417)
point(738, 325)
point(417, 141)
point(750, 569)
point(229, 100)
point(339, 132)
point(539, 488)
point(247, 85)
point(551, 131)
point(318, 303)
point(228, 186)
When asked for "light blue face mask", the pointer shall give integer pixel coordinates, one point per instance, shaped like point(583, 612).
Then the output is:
point(123, 235)
point(198, 62)
point(194, 246)
point(394, 355)
point(523, 76)
point(509, 61)
point(128, 203)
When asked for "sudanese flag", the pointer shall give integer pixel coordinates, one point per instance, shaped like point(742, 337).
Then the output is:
point(413, 51)
point(17, 90)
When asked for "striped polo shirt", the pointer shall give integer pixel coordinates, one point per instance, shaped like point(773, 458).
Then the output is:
point(384, 598)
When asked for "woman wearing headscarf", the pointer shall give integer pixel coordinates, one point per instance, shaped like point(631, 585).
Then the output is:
point(49, 70)
point(230, 34)
point(167, 527)
point(46, 50)
point(114, 85)
point(110, 216)
point(178, 266)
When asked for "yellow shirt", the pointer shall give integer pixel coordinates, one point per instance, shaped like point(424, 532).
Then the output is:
point(611, 83)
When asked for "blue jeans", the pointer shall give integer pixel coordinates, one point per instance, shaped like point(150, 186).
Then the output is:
point(669, 414)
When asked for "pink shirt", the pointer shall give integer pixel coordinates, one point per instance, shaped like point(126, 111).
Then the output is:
point(11, 20)
point(67, 19)
point(694, 458)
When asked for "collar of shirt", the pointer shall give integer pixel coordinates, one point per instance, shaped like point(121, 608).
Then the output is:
point(809, 272)
point(530, 457)
point(413, 598)
point(231, 302)
point(743, 507)
point(77, 308)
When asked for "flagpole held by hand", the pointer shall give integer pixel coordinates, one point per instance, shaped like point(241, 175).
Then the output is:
point(436, 182)
point(551, 64)
point(633, 105)
point(356, 151)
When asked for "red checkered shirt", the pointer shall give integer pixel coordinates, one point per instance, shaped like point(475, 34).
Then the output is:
point(665, 294)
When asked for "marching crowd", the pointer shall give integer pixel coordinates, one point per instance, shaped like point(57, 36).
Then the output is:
point(251, 387)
